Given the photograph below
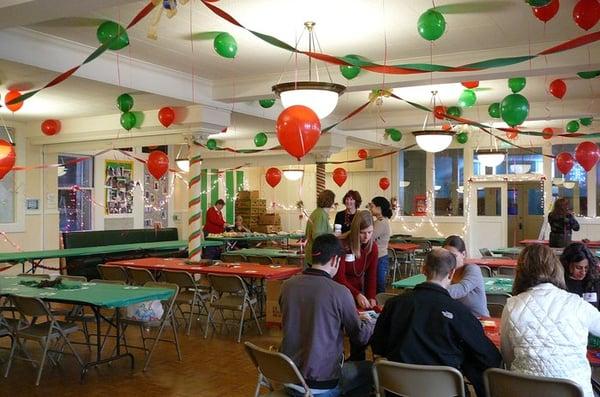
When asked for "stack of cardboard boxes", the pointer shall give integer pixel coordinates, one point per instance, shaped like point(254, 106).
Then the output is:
point(250, 207)
point(269, 223)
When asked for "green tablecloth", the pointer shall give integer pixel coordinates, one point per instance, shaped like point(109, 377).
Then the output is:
point(101, 295)
point(251, 237)
point(493, 285)
point(270, 252)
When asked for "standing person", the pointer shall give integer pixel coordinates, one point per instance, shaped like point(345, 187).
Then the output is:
point(352, 201)
point(426, 326)
point(581, 272)
point(358, 269)
point(562, 222)
point(382, 211)
point(544, 329)
point(318, 221)
point(467, 283)
point(315, 313)
point(215, 223)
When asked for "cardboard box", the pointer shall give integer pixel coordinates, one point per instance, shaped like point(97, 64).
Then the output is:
point(267, 228)
point(270, 219)
point(247, 195)
point(273, 311)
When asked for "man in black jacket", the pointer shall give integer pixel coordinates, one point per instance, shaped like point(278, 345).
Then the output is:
point(426, 326)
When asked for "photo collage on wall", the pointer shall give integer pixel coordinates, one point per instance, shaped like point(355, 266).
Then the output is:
point(156, 193)
point(118, 187)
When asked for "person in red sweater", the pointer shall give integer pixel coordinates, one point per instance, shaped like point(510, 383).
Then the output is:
point(215, 223)
point(358, 269)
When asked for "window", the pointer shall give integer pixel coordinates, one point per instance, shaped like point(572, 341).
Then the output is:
point(75, 183)
point(411, 181)
point(573, 185)
point(7, 188)
point(449, 177)
point(488, 201)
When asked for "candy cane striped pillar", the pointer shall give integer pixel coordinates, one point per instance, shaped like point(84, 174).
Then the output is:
point(320, 174)
point(194, 206)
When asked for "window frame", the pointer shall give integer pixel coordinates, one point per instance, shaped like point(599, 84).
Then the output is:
point(89, 189)
point(18, 226)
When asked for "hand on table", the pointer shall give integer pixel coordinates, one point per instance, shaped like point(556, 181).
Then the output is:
point(362, 302)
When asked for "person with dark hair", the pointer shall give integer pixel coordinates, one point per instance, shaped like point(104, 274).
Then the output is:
point(318, 221)
point(215, 223)
point(352, 201)
point(426, 326)
point(581, 272)
point(382, 212)
point(562, 222)
point(315, 313)
point(467, 284)
point(544, 329)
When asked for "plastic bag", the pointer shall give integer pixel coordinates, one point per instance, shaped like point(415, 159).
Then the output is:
point(145, 311)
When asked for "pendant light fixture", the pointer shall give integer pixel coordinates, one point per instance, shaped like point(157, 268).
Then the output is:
point(430, 138)
point(490, 158)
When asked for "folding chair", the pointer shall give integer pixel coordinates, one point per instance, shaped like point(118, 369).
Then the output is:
point(507, 271)
point(190, 293)
point(274, 366)
point(495, 309)
point(295, 261)
point(393, 264)
point(383, 297)
point(117, 273)
point(139, 276)
point(417, 380)
point(486, 253)
point(502, 383)
point(44, 333)
point(231, 293)
point(232, 258)
point(168, 318)
point(486, 271)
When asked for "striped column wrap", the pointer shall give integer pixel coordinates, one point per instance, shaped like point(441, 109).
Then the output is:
point(196, 235)
point(320, 178)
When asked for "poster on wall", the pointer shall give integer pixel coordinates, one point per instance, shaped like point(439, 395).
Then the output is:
point(420, 205)
point(118, 187)
point(156, 201)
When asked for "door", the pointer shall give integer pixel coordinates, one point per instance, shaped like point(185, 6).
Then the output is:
point(525, 211)
point(487, 217)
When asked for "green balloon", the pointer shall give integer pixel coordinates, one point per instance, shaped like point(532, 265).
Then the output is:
point(589, 74)
point(350, 72)
point(128, 120)
point(494, 110)
point(113, 35)
point(454, 111)
point(514, 109)
point(516, 84)
point(586, 121)
point(462, 138)
point(467, 98)
point(225, 45)
point(211, 144)
point(124, 102)
point(538, 3)
point(431, 25)
point(266, 103)
point(573, 126)
point(260, 139)
point(394, 134)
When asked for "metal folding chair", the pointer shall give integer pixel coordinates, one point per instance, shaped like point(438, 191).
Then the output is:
point(502, 383)
point(139, 276)
point(117, 273)
point(190, 293)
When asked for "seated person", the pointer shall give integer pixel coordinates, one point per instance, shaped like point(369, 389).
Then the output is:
point(426, 326)
point(316, 311)
point(239, 225)
point(467, 284)
point(581, 272)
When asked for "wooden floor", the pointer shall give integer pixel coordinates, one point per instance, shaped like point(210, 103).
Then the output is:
point(217, 366)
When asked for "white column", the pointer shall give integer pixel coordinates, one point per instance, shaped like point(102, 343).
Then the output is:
point(194, 210)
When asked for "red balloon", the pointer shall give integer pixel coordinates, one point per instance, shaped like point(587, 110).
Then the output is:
point(586, 13)
point(158, 164)
point(363, 154)
point(564, 162)
point(512, 134)
point(547, 133)
point(546, 12)
point(7, 157)
point(384, 183)
point(273, 176)
point(558, 88)
point(439, 112)
point(9, 97)
point(298, 130)
point(447, 127)
point(50, 127)
point(470, 84)
point(587, 154)
point(166, 116)
point(339, 176)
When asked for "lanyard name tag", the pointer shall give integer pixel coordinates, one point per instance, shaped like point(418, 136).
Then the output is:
point(590, 297)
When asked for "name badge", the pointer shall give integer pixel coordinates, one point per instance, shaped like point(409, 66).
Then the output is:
point(590, 297)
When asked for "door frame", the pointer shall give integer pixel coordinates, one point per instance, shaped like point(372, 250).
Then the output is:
point(477, 223)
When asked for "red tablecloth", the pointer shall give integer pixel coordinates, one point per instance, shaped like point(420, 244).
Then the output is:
point(492, 262)
point(590, 244)
point(404, 247)
point(248, 270)
point(491, 326)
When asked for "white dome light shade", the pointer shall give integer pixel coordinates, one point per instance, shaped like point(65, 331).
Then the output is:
point(322, 98)
point(520, 168)
point(490, 159)
point(403, 183)
point(293, 175)
point(183, 164)
point(437, 187)
point(568, 185)
point(62, 170)
point(433, 141)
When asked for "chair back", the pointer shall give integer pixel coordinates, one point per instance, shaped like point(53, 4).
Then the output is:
point(417, 380)
point(227, 284)
point(497, 298)
point(507, 271)
point(485, 252)
point(139, 276)
point(263, 260)
point(275, 366)
point(37, 276)
point(101, 281)
point(485, 271)
point(501, 383)
point(391, 255)
point(167, 304)
point(31, 307)
point(383, 297)
point(180, 278)
point(79, 279)
point(495, 309)
point(112, 273)
point(295, 261)
point(233, 258)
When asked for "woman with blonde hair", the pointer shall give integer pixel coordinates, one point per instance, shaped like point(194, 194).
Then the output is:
point(544, 328)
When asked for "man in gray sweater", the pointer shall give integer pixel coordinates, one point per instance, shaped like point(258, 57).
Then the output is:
point(316, 310)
